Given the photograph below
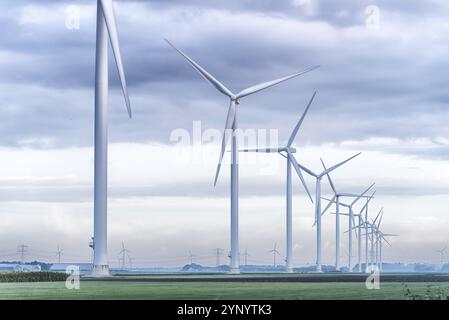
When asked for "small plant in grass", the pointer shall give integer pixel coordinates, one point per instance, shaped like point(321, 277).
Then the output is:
point(431, 293)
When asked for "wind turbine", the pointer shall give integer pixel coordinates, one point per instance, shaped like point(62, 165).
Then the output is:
point(366, 226)
point(59, 254)
point(362, 223)
point(351, 221)
point(106, 27)
point(375, 230)
point(372, 234)
point(230, 129)
point(441, 252)
point(287, 153)
point(124, 252)
point(379, 238)
point(274, 252)
point(336, 199)
point(318, 177)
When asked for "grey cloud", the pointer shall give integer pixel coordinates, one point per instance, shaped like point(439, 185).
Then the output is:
point(376, 86)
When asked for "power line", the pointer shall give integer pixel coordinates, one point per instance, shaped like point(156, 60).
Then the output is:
point(218, 253)
point(59, 254)
point(22, 249)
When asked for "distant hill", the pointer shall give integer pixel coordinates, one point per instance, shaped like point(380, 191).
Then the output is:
point(194, 267)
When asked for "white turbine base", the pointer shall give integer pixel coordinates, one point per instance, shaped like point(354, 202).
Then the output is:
point(100, 271)
point(289, 269)
point(234, 271)
point(318, 268)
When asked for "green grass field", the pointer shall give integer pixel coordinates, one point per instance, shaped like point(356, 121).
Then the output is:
point(123, 289)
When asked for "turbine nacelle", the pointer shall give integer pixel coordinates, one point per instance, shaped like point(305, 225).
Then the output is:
point(288, 149)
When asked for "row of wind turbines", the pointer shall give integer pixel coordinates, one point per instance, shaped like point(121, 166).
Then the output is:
point(107, 28)
point(373, 234)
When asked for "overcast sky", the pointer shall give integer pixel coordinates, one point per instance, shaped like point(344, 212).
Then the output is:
point(382, 90)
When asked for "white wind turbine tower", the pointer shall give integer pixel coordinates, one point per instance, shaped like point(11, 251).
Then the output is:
point(318, 177)
point(441, 252)
point(106, 27)
point(230, 130)
point(336, 199)
point(376, 235)
point(380, 237)
point(357, 235)
point(371, 232)
point(287, 153)
point(362, 224)
point(375, 230)
point(274, 252)
point(366, 226)
point(357, 230)
point(351, 220)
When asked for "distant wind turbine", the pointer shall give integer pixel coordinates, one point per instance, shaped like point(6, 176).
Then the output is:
point(230, 130)
point(379, 237)
point(336, 199)
point(318, 177)
point(442, 252)
point(351, 221)
point(106, 27)
point(287, 152)
point(366, 226)
point(274, 252)
point(123, 253)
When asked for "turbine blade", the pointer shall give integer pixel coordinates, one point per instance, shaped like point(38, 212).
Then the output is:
point(374, 221)
point(338, 165)
point(331, 201)
point(353, 228)
point(268, 84)
point(206, 75)
point(353, 222)
point(111, 24)
point(367, 202)
point(380, 220)
point(361, 195)
point(300, 166)
point(292, 159)
point(298, 125)
point(228, 127)
point(349, 195)
point(329, 177)
point(389, 244)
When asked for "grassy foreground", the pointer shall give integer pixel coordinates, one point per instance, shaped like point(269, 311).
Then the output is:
point(210, 290)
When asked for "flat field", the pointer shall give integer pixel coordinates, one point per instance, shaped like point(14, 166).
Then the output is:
point(258, 286)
